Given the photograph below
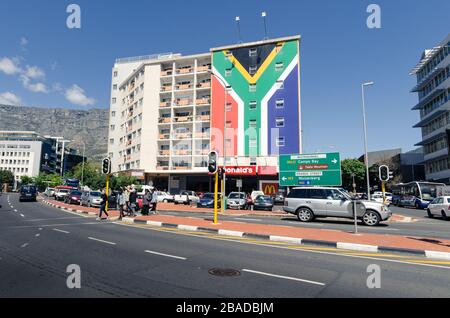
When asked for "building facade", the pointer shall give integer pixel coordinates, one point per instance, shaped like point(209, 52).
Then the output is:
point(167, 113)
point(433, 88)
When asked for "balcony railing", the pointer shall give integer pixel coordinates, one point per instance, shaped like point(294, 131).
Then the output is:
point(182, 152)
point(164, 152)
point(164, 104)
point(181, 168)
point(203, 68)
point(164, 136)
point(201, 135)
point(180, 87)
point(204, 85)
point(181, 119)
point(162, 167)
point(185, 70)
point(203, 101)
point(163, 120)
point(183, 135)
point(167, 72)
point(203, 117)
point(183, 102)
point(166, 88)
point(202, 152)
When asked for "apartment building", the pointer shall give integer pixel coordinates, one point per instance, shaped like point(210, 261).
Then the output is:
point(433, 88)
point(163, 108)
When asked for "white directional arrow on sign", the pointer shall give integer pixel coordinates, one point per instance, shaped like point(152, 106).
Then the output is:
point(334, 161)
point(284, 178)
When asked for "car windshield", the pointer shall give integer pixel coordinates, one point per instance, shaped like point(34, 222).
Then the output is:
point(64, 191)
point(29, 189)
point(264, 198)
point(95, 194)
point(346, 194)
point(428, 192)
point(76, 193)
point(208, 196)
point(237, 196)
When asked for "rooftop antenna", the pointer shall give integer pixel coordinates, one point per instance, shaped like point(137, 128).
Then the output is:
point(238, 19)
point(264, 15)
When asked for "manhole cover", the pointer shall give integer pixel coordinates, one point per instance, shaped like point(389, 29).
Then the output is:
point(224, 272)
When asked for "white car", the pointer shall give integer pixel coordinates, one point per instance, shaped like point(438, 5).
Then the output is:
point(61, 194)
point(255, 194)
point(439, 207)
point(182, 198)
point(50, 192)
point(164, 196)
point(379, 198)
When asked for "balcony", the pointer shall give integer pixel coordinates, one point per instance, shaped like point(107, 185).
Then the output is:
point(203, 101)
point(165, 152)
point(181, 168)
point(202, 152)
point(165, 120)
point(203, 118)
point(129, 142)
point(202, 135)
point(131, 87)
point(203, 68)
point(183, 135)
point(167, 72)
point(164, 104)
point(204, 85)
point(183, 119)
point(164, 136)
point(166, 88)
point(130, 114)
point(183, 102)
point(162, 166)
point(180, 87)
point(185, 70)
point(182, 152)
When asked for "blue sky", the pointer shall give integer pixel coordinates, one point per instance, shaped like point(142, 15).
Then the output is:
point(43, 63)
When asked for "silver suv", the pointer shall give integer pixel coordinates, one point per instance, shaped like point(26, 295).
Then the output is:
point(309, 202)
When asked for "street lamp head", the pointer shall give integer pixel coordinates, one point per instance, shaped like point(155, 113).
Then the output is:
point(263, 14)
point(238, 19)
point(368, 83)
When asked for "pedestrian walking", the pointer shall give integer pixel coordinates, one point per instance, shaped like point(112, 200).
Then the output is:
point(103, 206)
point(126, 197)
point(133, 199)
point(121, 202)
point(154, 200)
point(146, 202)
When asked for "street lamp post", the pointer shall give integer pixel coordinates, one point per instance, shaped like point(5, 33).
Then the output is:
point(366, 158)
point(226, 87)
point(82, 165)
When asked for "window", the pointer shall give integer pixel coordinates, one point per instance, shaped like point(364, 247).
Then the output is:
point(252, 52)
point(113, 114)
point(228, 54)
point(228, 72)
point(113, 127)
point(280, 142)
point(279, 122)
point(111, 141)
point(229, 106)
point(252, 88)
point(252, 104)
point(317, 194)
point(279, 66)
point(252, 143)
point(114, 100)
point(280, 84)
point(115, 73)
point(252, 123)
point(115, 87)
point(279, 103)
point(252, 161)
point(252, 70)
point(298, 194)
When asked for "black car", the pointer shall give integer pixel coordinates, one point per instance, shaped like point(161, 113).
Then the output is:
point(28, 193)
point(263, 202)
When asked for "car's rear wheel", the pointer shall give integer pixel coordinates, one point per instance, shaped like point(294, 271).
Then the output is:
point(444, 216)
point(430, 215)
point(305, 215)
point(417, 205)
point(371, 218)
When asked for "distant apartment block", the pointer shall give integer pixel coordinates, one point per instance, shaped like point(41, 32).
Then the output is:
point(433, 88)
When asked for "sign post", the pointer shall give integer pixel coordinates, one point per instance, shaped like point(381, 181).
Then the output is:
point(318, 169)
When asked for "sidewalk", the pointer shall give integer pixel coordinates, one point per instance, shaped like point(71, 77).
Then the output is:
point(418, 246)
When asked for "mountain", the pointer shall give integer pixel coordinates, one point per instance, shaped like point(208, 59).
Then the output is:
point(90, 126)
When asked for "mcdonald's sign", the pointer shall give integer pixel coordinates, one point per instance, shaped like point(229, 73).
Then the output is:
point(269, 188)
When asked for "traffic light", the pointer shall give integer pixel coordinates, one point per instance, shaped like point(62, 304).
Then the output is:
point(106, 166)
point(391, 175)
point(384, 173)
point(212, 162)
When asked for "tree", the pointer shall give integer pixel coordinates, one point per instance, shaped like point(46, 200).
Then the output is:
point(26, 180)
point(44, 180)
point(6, 176)
point(353, 167)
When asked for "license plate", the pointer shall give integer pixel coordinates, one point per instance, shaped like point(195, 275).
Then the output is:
point(28, 195)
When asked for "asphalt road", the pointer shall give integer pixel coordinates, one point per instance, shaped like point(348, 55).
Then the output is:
point(422, 225)
point(38, 242)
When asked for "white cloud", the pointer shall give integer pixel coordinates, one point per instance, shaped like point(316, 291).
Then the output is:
point(9, 66)
point(76, 95)
point(57, 87)
point(8, 98)
point(36, 88)
point(34, 72)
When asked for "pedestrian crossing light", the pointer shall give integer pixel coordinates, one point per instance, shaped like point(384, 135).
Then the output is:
point(385, 175)
point(106, 166)
point(212, 162)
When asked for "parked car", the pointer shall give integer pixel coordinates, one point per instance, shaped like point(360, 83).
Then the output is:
point(60, 194)
point(310, 202)
point(73, 197)
point(439, 207)
point(207, 201)
point(255, 194)
point(237, 200)
point(184, 195)
point(49, 192)
point(27, 193)
point(91, 198)
point(263, 202)
point(278, 198)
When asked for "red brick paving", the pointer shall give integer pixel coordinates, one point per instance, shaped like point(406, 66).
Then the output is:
point(385, 240)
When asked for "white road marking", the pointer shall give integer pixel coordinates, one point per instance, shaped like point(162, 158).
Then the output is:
point(167, 255)
point(62, 231)
point(15, 210)
point(258, 220)
point(284, 277)
point(95, 239)
point(24, 245)
point(37, 235)
point(22, 215)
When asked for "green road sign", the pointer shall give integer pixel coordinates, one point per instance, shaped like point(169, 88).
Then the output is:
point(318, 169)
